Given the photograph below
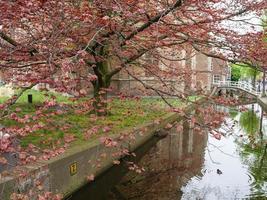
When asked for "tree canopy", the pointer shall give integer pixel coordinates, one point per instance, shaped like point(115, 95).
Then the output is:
point(44, 38)
point(244, 71)
point(64, 43)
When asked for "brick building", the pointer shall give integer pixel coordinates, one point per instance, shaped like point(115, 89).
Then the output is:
point(203, 72)
point(209, 70)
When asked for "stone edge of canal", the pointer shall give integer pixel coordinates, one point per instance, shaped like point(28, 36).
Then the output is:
point(262, 101)
point(66, 173)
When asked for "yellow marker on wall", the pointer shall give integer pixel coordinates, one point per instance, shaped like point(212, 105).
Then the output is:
point(73, 168)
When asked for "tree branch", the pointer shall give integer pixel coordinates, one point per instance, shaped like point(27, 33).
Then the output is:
point(8, 39)
point(152, 21)
point(23, 65)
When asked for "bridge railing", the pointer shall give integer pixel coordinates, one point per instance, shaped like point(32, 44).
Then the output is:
point(238, 84)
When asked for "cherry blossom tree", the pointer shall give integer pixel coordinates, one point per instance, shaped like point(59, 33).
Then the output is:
point(74, 45)
point(64, 43)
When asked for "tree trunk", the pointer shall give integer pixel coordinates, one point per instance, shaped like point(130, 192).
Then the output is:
point(263, 84)
point(261, 123)
point(100, 88)
point(254, 78)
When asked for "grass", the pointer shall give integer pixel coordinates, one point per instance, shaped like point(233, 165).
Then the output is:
point(3, 99)
point(194, 98)
point(122, 115)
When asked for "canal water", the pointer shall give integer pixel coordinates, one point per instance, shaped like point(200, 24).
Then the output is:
point(192, 165)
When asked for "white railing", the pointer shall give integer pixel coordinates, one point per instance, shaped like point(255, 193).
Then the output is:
point(238, 84)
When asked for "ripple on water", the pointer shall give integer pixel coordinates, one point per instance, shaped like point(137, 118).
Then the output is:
point(194, 191)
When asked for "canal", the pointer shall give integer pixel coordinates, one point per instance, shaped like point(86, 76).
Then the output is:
point(191, 165)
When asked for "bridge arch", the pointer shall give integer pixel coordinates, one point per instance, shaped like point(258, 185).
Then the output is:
point(240, 85)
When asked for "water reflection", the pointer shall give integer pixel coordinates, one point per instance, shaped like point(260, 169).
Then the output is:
point(187, 165)
point(249, 122)
point(100, 188)
point(240, 155)
point(253, 148)
point(169, 165)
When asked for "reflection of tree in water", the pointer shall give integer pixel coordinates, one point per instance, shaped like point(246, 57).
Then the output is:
point(256, 158)
point(254, 152)
point(233, 113)
point(249, 122)
point(169, 165)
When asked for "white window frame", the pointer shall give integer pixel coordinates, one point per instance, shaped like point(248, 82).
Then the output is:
point(217, 78)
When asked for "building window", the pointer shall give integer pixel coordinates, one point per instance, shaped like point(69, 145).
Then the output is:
point(216, 78)
point(150, 61)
